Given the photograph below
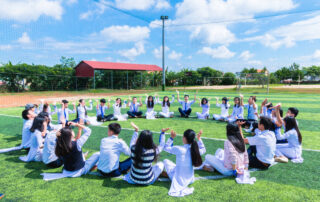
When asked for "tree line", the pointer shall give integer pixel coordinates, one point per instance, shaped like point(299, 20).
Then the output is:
point(21, 77)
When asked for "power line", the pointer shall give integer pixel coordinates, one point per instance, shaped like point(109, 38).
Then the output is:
point(243, 19)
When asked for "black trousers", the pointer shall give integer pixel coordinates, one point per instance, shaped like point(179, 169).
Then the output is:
point(185, 113)
point(133, 114)
point(105, 118)
point(254, 162)
point(55, 164)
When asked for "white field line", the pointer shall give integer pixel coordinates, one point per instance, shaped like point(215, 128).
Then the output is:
point(207, 138)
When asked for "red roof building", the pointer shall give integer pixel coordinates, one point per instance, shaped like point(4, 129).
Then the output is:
point(86, 68)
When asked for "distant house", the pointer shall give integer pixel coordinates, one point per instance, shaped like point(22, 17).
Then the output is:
point(261, 71)
point(311, 78)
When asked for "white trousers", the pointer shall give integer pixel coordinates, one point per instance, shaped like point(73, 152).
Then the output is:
point(217, 164)
point(218, 117)
point(151, 115)
point(166, 114)
point(287, 151)
point(202, 115)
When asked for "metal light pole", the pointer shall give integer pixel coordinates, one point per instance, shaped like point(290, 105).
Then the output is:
point(163, 18)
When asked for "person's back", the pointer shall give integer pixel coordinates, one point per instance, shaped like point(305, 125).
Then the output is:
point(141, 173)
point(73, 161)
point(26, 134)
point(110, 149)
point(267, 147)
point(231, 155)
point(48, 153)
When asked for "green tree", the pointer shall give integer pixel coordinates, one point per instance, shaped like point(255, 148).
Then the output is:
point(229, 78)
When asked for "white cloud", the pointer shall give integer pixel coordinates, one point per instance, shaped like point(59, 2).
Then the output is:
point(162, 4)
point(246, 55)
point(174, 55)
point(70, 2)
point(202, 11)
point(222, 52)
point(100, 8)
point(134, 4)
point(24, 39)
point(137, 50)
point(316, 54)
point(30, 10)
point(255, 62)
point(157, 52)
point(288, 35)
point(125, 33)
point(5, 47)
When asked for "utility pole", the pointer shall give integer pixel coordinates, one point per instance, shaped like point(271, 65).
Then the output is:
point(163, 18)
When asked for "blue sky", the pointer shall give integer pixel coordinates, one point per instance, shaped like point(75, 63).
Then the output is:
point(224, 34)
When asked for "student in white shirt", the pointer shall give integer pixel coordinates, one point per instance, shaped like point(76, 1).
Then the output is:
point(143, 153)
point(28, 115)
point(69, 149)
point(117, 106)
point(38, 130)
point(205, 105)
point(82, 112)
point(237, 112)
point(101, 111)
point(48, 153)
point(185, 111)
point(165, 104)
point(63, 113)
point(292, 149)
point(45, 107)
point(182, 173)
point(252, 107)
point(110, 149)
point(134, 108)
point(150, 101)
point(263, 146)
point(224, 109)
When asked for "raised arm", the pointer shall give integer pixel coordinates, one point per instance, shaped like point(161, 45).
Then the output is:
point(178, 95)
point(195, 96)
point(172, 99)
point(109, 100)
point(135, 134)
point(279, 121)
point(241, 100)
point(162, 140)
point(91, 106)
point(263, 104)
point(84, 137)
point(168, 146)
point(146, 101)
point(97, 104)
point(140, 100)
point(202, 148)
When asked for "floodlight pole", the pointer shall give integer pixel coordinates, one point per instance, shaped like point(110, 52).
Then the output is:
point(163, 18)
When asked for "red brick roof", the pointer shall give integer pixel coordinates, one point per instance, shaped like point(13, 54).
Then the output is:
point(120, 66)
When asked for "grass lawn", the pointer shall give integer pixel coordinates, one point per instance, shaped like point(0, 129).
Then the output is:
point(282, 182)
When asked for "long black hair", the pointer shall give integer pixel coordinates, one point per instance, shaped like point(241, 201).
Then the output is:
point(85, 109)
point(204, 99)
point(144, 142)
point(38, 124)
point(150, 104)
point(226, 102)
point(45, 107)
point(164, 102)
point(120, 101)
point(236, 98)
point(291, 123)
point(190, 136)
point(64, 142)
point(234, 136)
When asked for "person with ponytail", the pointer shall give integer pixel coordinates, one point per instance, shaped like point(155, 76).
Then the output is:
point(143, 153)
point(187, 156)
point(165, 104)
point(69, 150)
point(38, 132)
point(224, 109)
point(117, 106)
point(45, 107)
point(235, 159)
point(82, 112)
point(252, 108)
point(150, 101)
point(293, 149)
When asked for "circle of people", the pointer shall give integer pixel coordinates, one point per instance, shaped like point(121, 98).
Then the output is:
point(58, 145)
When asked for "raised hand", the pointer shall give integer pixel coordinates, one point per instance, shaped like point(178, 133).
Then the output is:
point(173, 134)
point(136, 128)
point(199, 135)
point(164, 129)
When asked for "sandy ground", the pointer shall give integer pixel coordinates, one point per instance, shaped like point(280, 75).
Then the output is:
point(15, 100)
point(250, 86)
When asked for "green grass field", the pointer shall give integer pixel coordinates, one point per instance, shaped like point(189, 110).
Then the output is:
point(282, 182)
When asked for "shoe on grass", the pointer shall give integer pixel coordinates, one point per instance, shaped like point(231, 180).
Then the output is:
point(1, 196)
point(281, 159)
point(208, 168)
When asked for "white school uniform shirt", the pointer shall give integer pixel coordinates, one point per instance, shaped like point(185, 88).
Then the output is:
point(293, 140)
point(110, 149)
point(134, 107)
point(186, 105)
point(35, 152)
point(165, 108)
point(26, 134)
point(64, 114)
point(266, 146)
point(49, 110)
point(48, 153)
point(184, 173)
point(117, 109)
point(237, 112)
point(205, 108)
point(251, 111)
point(224, 111)
point(150, 109)
point(103, 109)
point(82, 111)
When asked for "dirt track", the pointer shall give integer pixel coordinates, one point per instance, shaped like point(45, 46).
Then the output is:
point(21, 99)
